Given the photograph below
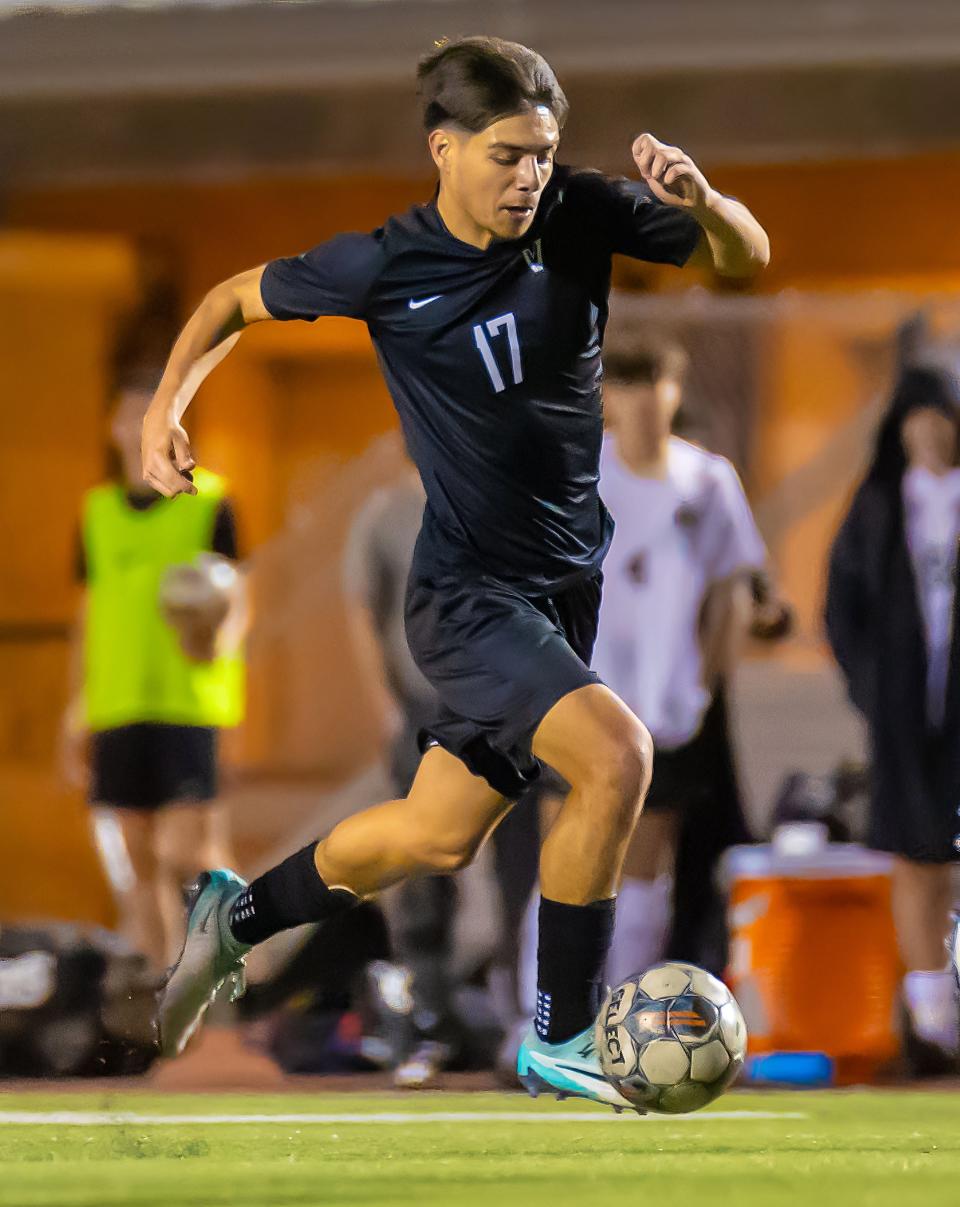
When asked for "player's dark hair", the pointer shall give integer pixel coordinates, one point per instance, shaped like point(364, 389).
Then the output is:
point(645, 362)
point(918, 387)
point(473, 82)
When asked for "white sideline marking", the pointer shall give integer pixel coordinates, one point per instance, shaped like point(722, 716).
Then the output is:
point(102, 1118)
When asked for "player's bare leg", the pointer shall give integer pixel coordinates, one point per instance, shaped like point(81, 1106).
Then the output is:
point(645, 899)
point(127, 843)
point(438, 827)
point(606, 755)
point(189, 838)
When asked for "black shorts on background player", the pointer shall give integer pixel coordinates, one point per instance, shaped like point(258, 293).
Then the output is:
point(492, 358)
point(148, 766)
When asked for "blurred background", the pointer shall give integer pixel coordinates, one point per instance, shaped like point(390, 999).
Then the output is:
point(148, 151)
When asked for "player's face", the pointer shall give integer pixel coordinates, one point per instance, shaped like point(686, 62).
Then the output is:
point(930, 439)
point(496, 178)
point(125, 425)
point(643, 411)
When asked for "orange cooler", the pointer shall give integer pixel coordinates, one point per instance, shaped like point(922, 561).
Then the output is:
point(813, 957)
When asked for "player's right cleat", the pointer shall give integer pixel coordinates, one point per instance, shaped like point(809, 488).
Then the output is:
point(211, 957)
point(567, 1070)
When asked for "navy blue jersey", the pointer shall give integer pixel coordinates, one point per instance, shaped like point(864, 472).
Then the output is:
point(493, 362)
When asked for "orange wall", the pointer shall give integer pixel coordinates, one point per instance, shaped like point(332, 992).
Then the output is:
point(59, 297)
point(856, 223)
point(828, 222)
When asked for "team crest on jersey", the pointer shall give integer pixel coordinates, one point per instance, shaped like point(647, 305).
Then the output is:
point(636, 568)
point(687, 517)
point(534, 256)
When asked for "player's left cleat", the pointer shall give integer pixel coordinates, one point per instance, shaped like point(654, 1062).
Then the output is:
point(211, 957)
point(567, 1070)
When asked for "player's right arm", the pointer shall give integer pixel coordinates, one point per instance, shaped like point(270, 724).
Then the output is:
point(210, 334)
point(333, 278)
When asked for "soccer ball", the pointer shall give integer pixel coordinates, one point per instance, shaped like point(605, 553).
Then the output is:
point(671, 1039)
point(195, 601)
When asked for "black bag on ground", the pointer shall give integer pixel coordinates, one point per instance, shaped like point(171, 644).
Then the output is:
point(74, 1002)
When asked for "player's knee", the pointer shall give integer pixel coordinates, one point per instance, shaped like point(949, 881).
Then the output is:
point(622, 770)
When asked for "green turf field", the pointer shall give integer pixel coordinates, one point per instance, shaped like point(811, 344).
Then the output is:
point(844, 1148)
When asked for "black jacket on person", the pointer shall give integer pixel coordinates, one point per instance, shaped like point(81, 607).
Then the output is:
point(875, 628)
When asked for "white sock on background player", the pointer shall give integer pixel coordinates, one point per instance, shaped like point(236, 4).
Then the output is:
point(931, 999)
point(644, 913)
point(639, 933)
point(527, 971)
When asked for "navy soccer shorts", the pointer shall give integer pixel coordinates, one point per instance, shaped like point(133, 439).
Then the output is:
point(499, 658)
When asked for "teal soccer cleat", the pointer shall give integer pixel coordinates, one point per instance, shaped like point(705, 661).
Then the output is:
point(211, 957)
point(568, 1070)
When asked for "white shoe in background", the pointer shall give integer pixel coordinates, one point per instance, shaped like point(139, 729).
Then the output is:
point(932, 1039)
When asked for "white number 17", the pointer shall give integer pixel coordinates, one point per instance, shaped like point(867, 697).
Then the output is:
point(503, 321)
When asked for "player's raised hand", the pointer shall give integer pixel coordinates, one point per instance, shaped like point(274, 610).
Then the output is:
point(672, 175)
point(165, 452)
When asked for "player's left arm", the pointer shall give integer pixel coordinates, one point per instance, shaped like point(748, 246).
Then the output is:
point(724, 624)
point(733, 242)
point(735, 551)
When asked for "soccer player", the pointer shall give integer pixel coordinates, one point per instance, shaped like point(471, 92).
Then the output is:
point(142, 728)
point(677, 604)
point(891, 621)
point(487, 309)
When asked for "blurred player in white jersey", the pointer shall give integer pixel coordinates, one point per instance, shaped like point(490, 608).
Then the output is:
point(677, 604)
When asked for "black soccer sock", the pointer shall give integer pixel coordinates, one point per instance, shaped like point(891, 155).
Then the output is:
point(574, 940)
point(288, 895)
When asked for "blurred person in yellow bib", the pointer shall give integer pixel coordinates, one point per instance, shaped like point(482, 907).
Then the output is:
point(157, 671)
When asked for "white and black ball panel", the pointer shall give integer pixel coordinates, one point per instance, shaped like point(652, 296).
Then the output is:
point(664, 1062)
point(709, 1062)
point(618, 1004)
point(688, 1096)
point(737, 1060)
point(665, 980)
point(704, 984)
point(733, 1028)
point(618, 1052)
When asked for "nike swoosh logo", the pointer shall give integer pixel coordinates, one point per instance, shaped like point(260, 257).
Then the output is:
point(424, 301)
point(592, 1085)
point(579, 1070)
